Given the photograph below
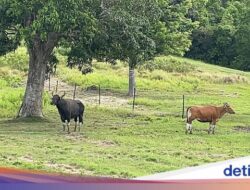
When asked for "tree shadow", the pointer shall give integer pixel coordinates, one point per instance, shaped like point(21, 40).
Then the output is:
point(25, 120)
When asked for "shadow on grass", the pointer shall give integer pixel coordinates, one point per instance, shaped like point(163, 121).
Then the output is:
point(26, 120)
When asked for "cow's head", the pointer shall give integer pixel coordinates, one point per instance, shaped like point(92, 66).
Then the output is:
point(56, 98)
point(228, 109)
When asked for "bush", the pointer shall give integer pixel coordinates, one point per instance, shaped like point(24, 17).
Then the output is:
point(168, 64)
point(10, 101)
point(10, 78)
point(16, 60)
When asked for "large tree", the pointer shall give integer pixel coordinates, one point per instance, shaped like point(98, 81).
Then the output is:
point(138, 30)
point(126, 33)
point(42, 25)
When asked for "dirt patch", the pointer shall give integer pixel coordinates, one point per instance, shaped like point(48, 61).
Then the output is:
point(74, 136)
point(104, 143)
point(245, 129)
point(28, 159)
point(89, 96)
point(106, 100)
point(65, 168)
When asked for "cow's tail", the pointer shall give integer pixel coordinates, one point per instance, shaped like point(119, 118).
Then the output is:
point(187, 115)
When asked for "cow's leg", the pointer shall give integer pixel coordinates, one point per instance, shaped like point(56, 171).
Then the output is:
point(210, 127)
point(75, 123)
point(189, 122)
point(213, 129)
point(189, 127)
point(213, 126)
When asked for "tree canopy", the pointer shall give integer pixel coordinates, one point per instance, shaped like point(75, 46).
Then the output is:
point(43, 25)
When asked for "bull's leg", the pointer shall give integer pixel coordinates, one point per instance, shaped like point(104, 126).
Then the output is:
point(75, 124)
point(80, 126)
point(80, 122)
point(68, 124)
point(63, 123)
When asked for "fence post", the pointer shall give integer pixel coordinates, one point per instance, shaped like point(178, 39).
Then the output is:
point(56, 85)
point(49, 81)
point(55, 70)
point(134, 99)
point(99, 94)
point(183, 105)
point(74, 94)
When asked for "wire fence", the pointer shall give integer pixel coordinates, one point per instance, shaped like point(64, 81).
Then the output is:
point(142, 99)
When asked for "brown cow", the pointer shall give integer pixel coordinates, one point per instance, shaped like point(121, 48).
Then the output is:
point(209, 114)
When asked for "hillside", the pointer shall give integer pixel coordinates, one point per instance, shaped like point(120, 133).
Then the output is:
point(117, 141)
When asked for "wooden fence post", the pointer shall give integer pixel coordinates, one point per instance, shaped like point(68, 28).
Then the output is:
point(99, 94)
point(56, 86)
point(183, 105)
point(49, 81)
point(134, 99)
point(74, 94)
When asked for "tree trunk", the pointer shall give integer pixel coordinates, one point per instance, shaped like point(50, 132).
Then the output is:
point(132, 84)
point(39, 52)
point(32, 102)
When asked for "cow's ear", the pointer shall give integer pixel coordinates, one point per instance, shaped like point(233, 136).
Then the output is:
point(225, 105)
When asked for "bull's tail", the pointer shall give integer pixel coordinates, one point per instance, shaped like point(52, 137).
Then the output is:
point(187, 114)
point(81, 110)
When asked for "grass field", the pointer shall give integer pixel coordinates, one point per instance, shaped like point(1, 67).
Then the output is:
point(116, 141)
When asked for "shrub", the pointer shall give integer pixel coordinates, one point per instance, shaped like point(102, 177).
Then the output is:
point(10, 101)
point(11, 78)
point(168, 64)
point(16, 60)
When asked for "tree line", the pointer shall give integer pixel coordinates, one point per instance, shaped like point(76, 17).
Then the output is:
point(222, 37)
point(130, 30)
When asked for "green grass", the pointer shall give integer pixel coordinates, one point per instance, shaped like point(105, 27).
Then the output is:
point(118, 142)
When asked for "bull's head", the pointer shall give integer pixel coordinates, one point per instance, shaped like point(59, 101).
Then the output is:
point(228, 109)
point(56, 98)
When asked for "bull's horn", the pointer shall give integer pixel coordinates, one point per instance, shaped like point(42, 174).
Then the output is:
point(63, 94)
